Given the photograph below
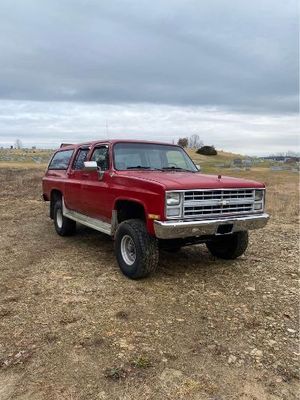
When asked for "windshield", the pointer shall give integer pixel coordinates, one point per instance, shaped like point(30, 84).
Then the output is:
point(149, 156)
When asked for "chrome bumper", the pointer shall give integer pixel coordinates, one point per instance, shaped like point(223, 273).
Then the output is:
point(182, 229)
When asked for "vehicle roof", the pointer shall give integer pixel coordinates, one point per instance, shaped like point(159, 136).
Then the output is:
point(112, 141)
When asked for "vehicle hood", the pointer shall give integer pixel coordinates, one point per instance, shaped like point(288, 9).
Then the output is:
point(175, 180)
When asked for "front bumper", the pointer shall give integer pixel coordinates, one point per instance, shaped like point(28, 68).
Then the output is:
point(184, 229)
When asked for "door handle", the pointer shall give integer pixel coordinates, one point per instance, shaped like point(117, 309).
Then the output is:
point(85, 175)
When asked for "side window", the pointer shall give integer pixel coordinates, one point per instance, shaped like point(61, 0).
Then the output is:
point(80, 159)
point(100, 155)
point(61, 160)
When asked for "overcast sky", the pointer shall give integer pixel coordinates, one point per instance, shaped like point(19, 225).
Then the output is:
point(77, 70)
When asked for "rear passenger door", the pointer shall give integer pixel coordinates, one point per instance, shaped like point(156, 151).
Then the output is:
point(73, 196)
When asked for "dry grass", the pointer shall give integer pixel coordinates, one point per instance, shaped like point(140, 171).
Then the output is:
point(72, 327)
point(22, 165)
point(282, 191)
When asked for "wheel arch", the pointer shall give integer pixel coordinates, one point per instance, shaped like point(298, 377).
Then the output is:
point(55, 195)
point(129, 209)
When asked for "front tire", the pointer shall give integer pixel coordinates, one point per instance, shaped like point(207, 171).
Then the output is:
point(63, 225)
point(136, 251)
point(229, 247)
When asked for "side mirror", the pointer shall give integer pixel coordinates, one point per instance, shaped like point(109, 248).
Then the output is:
point(93, 166)
point(90, 166)
point(198, 167)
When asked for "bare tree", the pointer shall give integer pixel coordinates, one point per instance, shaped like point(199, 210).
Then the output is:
point(18, 144)
point(183, 142)
point(195, 142)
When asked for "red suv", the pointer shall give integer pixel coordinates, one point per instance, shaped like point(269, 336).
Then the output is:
point(147, 196)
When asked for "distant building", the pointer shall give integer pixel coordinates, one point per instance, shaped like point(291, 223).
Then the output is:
point(291, 159)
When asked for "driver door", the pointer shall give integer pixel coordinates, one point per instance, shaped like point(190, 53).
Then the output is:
point(74, 181)
point(95, 194)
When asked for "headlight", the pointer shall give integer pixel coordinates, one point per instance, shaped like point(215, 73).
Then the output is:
point(259, 194)
point(173, 199)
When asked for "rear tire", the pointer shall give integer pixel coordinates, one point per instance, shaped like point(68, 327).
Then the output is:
point(136, 251)
point(63, 225)
point(229, 247)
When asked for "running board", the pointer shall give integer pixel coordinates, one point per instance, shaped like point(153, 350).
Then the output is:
point(94, 223)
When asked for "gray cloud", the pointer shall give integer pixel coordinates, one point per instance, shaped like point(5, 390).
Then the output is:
point(48, 124)
point(237, 56)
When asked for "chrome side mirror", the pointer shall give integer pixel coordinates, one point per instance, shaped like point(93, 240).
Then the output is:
point(90, 166)
point(198, 167)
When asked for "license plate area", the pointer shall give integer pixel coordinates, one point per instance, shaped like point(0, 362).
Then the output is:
point(224, 229)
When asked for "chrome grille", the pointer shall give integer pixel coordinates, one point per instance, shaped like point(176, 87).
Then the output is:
point(222, 202)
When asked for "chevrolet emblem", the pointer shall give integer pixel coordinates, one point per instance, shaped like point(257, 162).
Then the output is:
point(224, 202)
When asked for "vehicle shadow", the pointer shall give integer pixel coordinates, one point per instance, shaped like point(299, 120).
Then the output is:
point(85, 233)
point(190, 259)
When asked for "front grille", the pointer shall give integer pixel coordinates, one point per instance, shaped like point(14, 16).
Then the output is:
point(211, 203)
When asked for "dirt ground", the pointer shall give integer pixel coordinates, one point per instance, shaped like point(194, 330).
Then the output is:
point(73, 327)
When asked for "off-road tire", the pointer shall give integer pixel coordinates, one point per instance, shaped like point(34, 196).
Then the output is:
point(146, 249)
point(229, 247)
point(66, 226)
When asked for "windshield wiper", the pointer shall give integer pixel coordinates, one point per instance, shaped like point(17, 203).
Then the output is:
point(139, 167)
point(176, 168)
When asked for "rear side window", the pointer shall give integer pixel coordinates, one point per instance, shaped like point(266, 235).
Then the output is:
point(61, 160)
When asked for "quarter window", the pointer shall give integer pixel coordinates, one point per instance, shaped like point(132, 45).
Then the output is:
point(61, 159)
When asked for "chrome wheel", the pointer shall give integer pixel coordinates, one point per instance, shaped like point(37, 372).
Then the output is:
point(59, 218)
point(128, 250)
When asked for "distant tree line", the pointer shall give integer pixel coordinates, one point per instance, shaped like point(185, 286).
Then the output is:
point(289, 153)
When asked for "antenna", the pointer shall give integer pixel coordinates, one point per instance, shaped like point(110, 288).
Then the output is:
point(106, 128)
